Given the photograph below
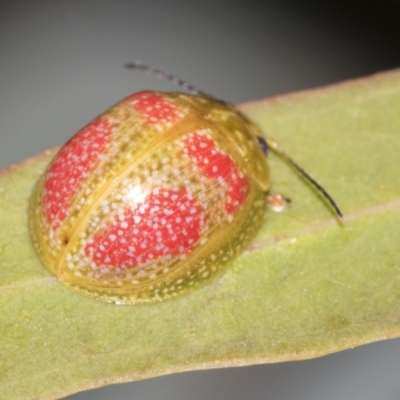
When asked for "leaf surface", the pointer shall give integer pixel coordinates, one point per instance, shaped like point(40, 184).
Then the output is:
point(308, 285)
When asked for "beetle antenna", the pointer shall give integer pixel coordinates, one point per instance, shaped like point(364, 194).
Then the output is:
point(275, 147)
point(138, 66)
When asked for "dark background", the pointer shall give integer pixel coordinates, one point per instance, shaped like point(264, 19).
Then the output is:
point(61, 65)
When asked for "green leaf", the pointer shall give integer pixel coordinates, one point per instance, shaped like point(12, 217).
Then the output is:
point(308, 285)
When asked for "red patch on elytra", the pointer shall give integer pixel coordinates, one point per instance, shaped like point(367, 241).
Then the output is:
point(165, 224)
point(237, 193)
point(156, 108)
point(215, 164)
point(70, 167)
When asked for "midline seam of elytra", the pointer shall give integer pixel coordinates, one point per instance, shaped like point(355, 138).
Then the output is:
point(174, 132)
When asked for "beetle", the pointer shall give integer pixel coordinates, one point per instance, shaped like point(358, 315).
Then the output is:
point(154, 198)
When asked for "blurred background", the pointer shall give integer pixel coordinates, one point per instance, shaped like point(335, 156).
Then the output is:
point(62, 64)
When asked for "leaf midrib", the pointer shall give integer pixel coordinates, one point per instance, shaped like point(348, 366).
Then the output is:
point(259, 244)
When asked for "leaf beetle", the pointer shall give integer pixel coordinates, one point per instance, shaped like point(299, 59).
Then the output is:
point(154, 198)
